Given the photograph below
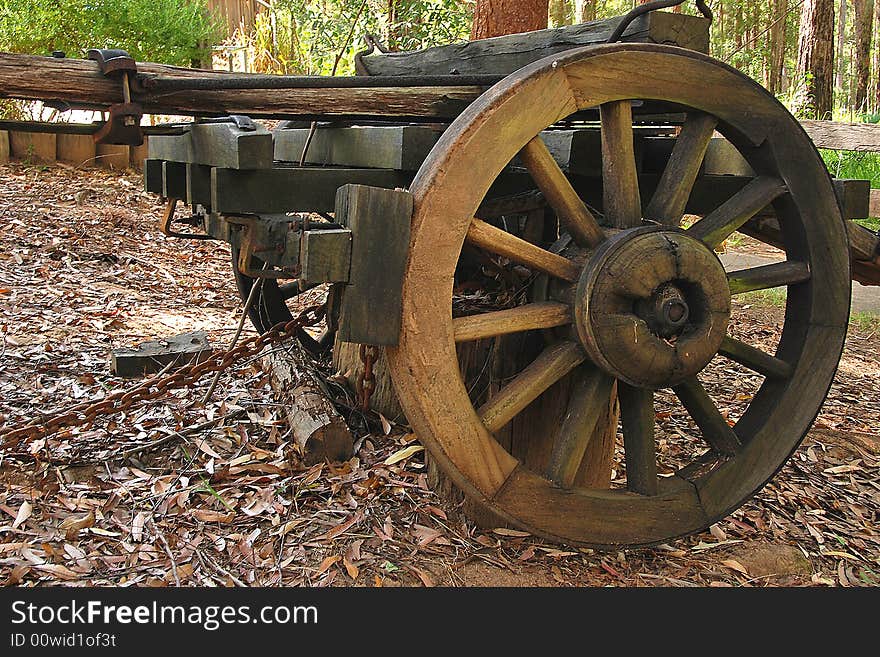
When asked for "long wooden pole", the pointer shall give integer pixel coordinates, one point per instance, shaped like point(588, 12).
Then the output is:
point(78, 82)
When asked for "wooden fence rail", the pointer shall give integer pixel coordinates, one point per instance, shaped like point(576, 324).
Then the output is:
point(78, 149)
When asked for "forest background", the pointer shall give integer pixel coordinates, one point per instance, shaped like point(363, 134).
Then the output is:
point(820, 57)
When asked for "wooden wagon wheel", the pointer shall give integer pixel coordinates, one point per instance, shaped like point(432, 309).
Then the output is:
point(641, 303)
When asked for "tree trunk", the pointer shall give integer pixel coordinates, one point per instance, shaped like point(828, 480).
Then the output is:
point(863, 29)
point(777, 46)
point(876, 83)
point(840, 73)
point(584, 11)
point(498, 17)
point(559, 13)
point(815, 67)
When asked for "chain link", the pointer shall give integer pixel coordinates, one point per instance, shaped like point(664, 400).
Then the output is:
point(365, 384)
point(121, 401)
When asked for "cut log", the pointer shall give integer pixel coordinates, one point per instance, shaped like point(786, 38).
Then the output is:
point(79, 83)
point(319, 431)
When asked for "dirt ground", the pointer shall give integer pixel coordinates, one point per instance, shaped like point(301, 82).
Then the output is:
point(180, 492)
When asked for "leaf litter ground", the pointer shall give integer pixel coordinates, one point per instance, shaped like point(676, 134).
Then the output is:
point(180, 493)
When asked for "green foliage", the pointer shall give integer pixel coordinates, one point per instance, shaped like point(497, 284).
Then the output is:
point(167, 31)
point(306, 37)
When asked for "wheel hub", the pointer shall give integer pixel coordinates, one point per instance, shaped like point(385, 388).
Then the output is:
point(652, 306)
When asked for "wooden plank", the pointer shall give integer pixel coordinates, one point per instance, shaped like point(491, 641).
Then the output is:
point(839, 136)
point(198, 185)
point(505, 54)
point(853, 197)
point(325, 256)
point(33, 146)
point(379, 220)
point(153, 177)
point(4, 146)
point(292, 189)
point(78, 150)
point(217, 145)
point(152, 356)
point(874, 203)
point(112, 156)
point(174, 180)
point(380, 147)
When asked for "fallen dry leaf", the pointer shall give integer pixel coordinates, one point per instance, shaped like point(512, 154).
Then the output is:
point(24, 512)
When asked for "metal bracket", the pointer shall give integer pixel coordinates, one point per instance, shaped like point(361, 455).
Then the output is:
point(168, 219)
point(123, 125)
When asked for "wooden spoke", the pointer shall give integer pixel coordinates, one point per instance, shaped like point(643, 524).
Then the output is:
point(767, 276)
point(755, 359)
point(289, 290)
point(500, 242)
point(553, 364)
point(669, 200)
point(717, 226)
point(588, 404)
point(531, 316)
point(620, 181)
point(637, 417)
point(720, 435)
point(572, 211)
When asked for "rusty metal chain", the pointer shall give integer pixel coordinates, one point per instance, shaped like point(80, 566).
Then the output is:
point(365, 384)
point(158, 386)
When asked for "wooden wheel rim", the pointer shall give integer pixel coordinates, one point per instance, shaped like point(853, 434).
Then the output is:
point(448, 189)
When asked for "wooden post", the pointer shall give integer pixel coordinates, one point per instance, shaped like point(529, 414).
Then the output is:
point(4, 146)
point(112, 156)
point(33, 146)
point(78, 150)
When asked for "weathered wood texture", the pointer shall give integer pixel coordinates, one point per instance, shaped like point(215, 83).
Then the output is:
point(379, 220)
point(79, 82)
point(843, 136)
point(398, 147)
point(33, 146)
point(217, 145)
point(504, 54)
point(78, 150)
point(4, 146)
point(113, 156)
point(319, 432)
point(152, 356)
point(875, 203)
point(273, 191)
